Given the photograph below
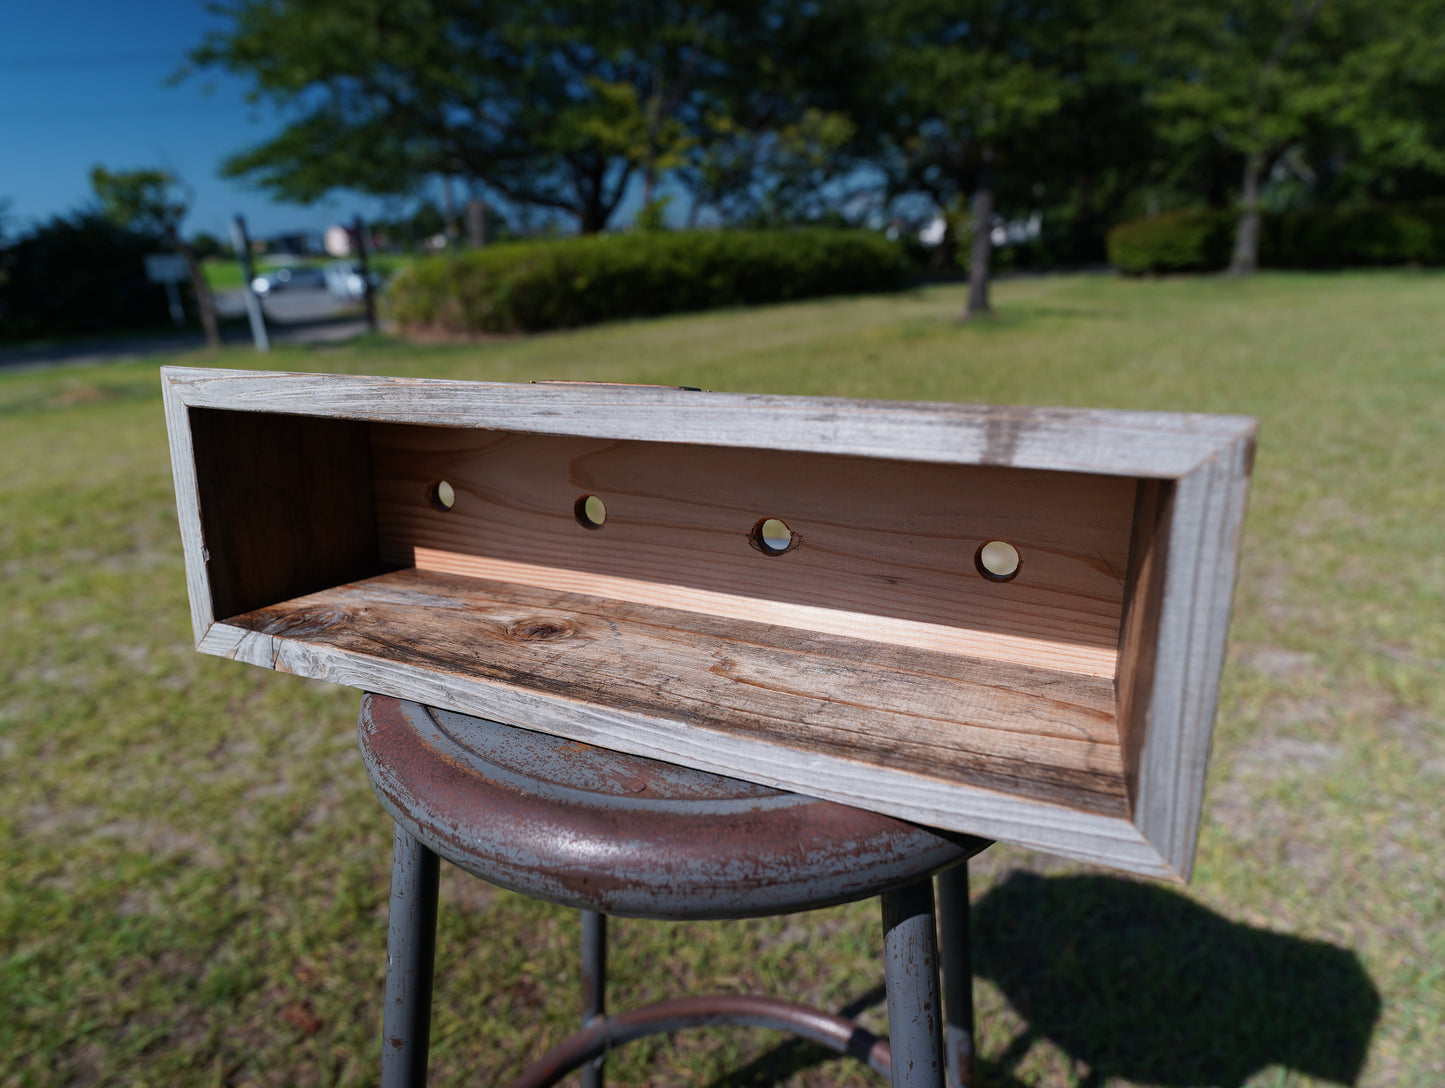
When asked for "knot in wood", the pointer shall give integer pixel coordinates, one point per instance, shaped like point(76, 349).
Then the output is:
point(537, 630)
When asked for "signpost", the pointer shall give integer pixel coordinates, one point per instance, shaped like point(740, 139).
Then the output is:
point(242, 244)
point(169, 269)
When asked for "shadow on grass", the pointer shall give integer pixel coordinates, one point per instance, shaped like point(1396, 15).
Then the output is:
point(1136, 981)
point(796, 1055)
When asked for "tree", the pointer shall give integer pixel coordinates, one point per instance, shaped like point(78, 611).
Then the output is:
point(1244, 73)
point(778, 130)
point(771, 178)
point(207, 246)
point(1354, 80)
point(1389, 131)
point(964, 87)
point(76, 275)
point(556, 104)
point(154, 201)
point(1088, 161)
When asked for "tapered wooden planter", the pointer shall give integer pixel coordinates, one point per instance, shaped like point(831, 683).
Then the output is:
point(1004, 621)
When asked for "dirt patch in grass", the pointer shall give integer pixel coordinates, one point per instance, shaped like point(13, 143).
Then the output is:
point(1421, 735)
point(158, 841)
point(1277, 662)
point(1278, 757)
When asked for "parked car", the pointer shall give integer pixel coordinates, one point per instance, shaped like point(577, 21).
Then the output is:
point(343, 279)
point(280, 279)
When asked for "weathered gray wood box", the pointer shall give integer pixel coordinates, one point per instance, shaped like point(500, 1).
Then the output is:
point(1004, 621)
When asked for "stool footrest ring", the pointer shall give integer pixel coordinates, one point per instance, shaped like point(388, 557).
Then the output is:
point(596, 1039)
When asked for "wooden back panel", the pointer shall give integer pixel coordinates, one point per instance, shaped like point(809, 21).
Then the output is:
point(882, 550)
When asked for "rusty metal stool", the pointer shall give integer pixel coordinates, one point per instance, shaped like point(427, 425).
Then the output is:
point(617, 834)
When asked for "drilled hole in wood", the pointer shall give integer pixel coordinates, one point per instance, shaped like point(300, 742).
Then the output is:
point(997, 560)
point(773, 536)
point(591, 512)
point(442, 496)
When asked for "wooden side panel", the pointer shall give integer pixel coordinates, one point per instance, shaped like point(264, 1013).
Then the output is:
point(1198, 594)
point(884, 550)
point(1139, 637)
point(183, 471)
point(1162, 445)
point(288, 501)
point(1009, 728)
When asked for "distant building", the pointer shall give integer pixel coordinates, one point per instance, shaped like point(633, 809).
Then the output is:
point(296, 244)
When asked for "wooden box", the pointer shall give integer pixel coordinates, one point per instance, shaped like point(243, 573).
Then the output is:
point(605, 563)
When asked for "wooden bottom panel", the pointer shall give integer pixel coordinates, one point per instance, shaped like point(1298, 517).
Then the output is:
point(1031, 732)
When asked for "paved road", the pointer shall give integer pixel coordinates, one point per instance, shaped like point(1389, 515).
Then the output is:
point(304, 315)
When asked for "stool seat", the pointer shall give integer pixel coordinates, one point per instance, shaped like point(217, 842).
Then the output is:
point(624, 835)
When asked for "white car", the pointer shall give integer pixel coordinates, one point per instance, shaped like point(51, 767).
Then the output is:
point(343, 279)
point(279, 279)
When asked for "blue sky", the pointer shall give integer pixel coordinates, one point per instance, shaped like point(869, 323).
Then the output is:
point(83, 82)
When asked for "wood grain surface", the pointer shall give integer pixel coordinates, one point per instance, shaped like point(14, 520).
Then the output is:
point(880, 549)
point(870, 662)
point(1155, 445)
point(287, 499)
point(1196, 596)
point(1013, 728)
point(1139, 634)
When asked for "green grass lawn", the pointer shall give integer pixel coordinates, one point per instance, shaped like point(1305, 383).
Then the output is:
point(195, 872)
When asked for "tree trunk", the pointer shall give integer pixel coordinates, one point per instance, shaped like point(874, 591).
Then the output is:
point(649, 181)
point(205, 304)
point(1082, 229)
point(980, 256)
point(591, 219)
point(1246, 231)
point(595, 202)
point(476, 223)
point(449, 210)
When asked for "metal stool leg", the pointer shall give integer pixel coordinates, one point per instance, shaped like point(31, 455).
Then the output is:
point(954, 937)
point(410, 959)
point(594, 986)
point(910, 960)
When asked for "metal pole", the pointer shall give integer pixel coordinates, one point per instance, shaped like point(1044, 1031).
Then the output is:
point(910, 963)
point(242, 243)
point(594, 986)
point(954, 938)
point(410, 962)
point(359, 229)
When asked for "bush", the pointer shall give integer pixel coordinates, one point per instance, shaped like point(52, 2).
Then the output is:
point(1377, 234)
point(1201, 240)
point(76, 276)
point(530, 286)
point(1183, 241)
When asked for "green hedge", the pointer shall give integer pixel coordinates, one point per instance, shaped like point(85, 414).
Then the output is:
point(1378, 234)
point(530, 286)
point(1202, 240)
point(1183, 241)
